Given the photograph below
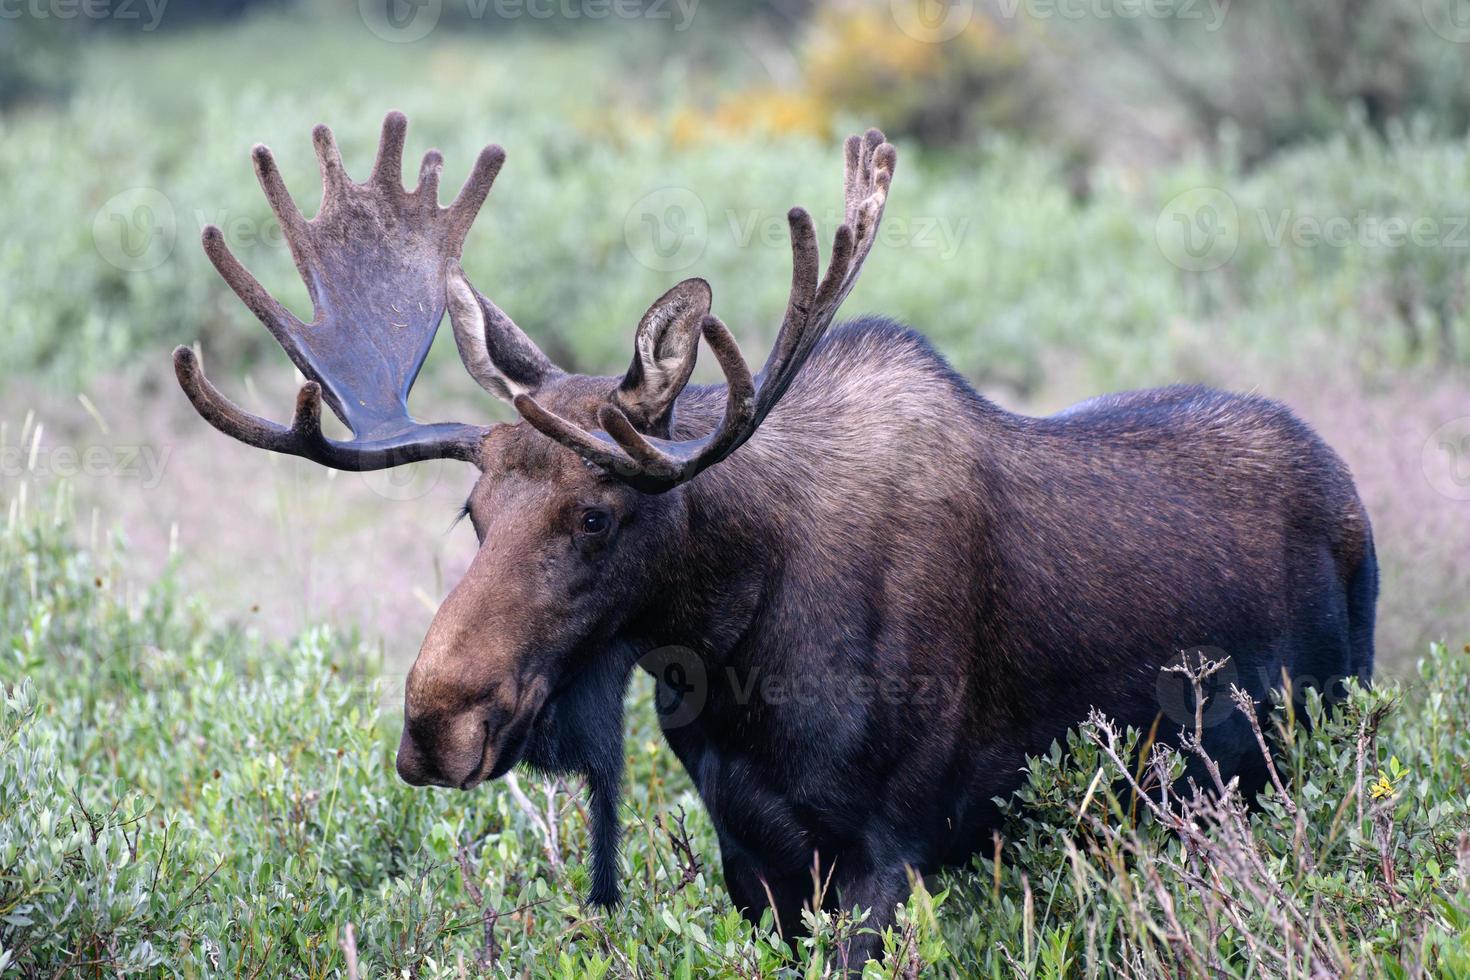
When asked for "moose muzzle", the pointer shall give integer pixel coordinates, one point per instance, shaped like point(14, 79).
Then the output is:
point(462, 727)
point(455, 751)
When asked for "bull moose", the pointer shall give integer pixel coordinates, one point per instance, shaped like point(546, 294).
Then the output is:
point(946, 585)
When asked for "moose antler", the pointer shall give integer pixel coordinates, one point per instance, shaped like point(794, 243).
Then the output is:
point(374, 261)
point(655, 465)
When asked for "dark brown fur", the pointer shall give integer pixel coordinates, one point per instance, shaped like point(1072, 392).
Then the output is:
point(895, 591)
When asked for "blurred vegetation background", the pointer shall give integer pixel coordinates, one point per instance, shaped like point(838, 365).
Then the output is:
point(1268, 195)
point(1042, 140)
point(1093, 194)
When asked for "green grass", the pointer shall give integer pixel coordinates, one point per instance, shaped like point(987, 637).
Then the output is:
point(179, 797)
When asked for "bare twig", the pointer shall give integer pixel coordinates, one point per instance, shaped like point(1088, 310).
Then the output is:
point(683, 848)
point(1222, 859)
point(349, 950)
point(489, 948)
point(1247, 707)
point(550, 843)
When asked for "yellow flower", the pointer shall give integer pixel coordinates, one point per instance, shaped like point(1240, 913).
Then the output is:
point(1383, 787)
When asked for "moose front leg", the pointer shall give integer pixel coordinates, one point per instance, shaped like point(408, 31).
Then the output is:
point(755, 887)
point(877, 889)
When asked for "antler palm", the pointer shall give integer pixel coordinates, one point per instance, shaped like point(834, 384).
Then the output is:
point(374, 261)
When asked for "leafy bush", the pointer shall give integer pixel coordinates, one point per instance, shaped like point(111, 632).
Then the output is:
point(988, 250)
point(1355, 864)
point(182, 798)
point(1279, 74)
point(178, 796)
point(885, 62)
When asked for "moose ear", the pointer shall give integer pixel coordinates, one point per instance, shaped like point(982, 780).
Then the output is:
point(664, 350)
point(495, 351)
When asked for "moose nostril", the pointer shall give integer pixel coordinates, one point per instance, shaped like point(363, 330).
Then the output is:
point(412, 765)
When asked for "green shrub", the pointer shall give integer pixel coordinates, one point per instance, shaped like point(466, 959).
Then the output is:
point(1360, 868)
point(37, 59)
point(180, 797)
point(1230, 66)
point(986, 248)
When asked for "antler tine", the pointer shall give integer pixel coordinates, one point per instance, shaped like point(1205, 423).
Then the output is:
point(329, 159)
point(799, 336)
point(388, 167)
point(282, 205)
point(257, 299)
point(740, 391)
point(574, 437)
point(868, 163)
point(655, 465)
point(304, 436)
point(805, 268)
point(852, 156)
point(867, 194)
point(472, 195)
point(429, 172)
point(650, 464)
point(839, 269)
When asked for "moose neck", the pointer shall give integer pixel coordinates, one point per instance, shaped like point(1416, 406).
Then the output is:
point(734, 526)
point(878, 432)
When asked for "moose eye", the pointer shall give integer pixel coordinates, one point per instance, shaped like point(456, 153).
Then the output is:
point(594, 522)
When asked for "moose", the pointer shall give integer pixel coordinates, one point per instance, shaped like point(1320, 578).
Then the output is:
point(880, 590)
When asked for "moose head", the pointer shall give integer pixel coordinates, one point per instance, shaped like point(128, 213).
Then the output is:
point(577, 508)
